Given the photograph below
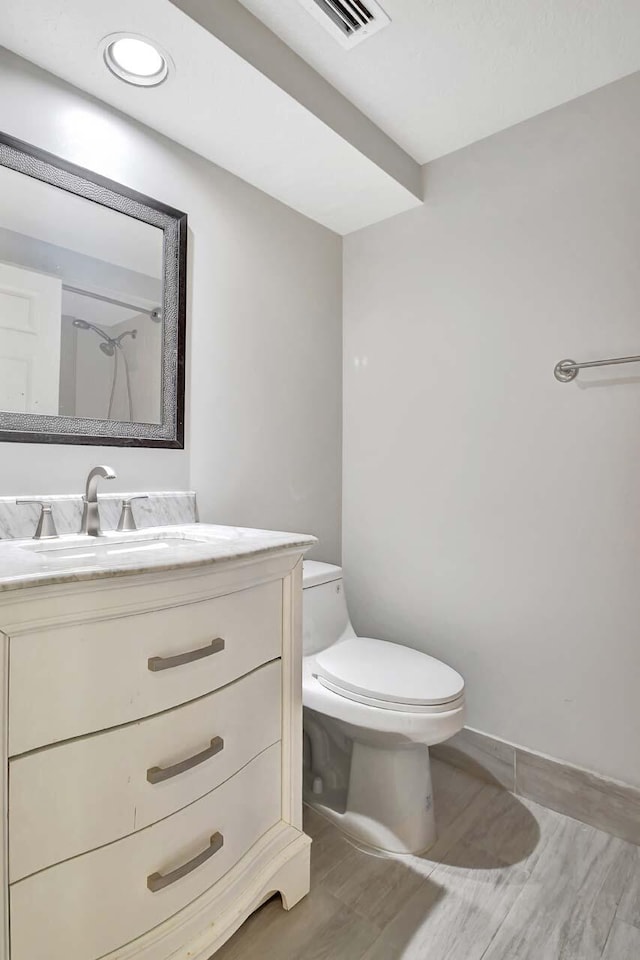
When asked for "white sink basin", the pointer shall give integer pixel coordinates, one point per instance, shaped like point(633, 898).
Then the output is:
point(92, 550)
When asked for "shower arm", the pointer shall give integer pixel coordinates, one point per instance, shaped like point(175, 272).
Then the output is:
point(127, 333)
point(86, 325)
point(114, 341)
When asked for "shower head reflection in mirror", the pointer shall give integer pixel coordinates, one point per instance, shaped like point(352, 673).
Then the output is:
point(112, 347)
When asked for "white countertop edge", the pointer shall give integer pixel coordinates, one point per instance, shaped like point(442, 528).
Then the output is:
point(22, 566)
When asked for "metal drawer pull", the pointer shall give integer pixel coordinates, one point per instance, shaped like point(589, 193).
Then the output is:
point(157, 774)
point(157, 881)
point(165, 663)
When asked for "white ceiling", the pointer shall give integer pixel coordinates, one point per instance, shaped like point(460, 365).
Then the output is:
point(215, 102)
point(443, 74)
point(446, 73)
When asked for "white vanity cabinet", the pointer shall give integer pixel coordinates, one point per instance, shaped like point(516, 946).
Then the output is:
point(152, 746)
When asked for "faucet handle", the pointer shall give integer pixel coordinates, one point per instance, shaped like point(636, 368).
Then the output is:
point(127, 520)
point(46, 528)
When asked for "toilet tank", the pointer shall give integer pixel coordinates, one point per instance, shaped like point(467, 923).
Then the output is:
point(325, 618)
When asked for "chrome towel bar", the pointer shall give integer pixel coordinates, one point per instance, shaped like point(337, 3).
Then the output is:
point(568, 369)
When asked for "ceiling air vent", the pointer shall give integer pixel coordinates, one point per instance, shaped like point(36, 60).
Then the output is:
point(349, 21)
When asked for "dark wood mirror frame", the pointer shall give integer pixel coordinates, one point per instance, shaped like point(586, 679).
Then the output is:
point(39, 428)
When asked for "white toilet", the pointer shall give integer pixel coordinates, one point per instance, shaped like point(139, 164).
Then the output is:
point(371, 711)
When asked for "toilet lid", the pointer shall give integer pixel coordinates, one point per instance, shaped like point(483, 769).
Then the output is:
point(387, 671)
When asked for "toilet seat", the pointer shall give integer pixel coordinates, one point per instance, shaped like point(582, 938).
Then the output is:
point(388, 675)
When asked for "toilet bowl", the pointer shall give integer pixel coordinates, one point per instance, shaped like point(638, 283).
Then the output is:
point(372, 708)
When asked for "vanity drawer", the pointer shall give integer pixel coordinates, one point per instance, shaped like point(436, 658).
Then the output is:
point(76, 679)
point(85, 907)
point(71, 798)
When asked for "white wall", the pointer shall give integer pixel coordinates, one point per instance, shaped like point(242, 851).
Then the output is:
point(491, 514)
point(264, 328)
point(266, 399)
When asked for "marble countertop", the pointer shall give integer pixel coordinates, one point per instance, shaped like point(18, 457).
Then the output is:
point(25, 563)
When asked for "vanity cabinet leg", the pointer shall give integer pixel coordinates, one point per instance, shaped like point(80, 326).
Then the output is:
point(294, 879)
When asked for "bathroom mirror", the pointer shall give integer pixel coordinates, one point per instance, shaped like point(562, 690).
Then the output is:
point(92, 307)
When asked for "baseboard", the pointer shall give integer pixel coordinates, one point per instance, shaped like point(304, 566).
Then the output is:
point(480, 755)
point(603, 803)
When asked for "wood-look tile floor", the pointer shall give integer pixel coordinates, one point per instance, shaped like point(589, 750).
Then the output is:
point(507, 880)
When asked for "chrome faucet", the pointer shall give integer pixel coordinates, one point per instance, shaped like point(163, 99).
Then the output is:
point(90, 512)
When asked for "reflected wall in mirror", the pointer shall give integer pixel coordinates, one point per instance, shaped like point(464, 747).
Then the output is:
point(92, 307)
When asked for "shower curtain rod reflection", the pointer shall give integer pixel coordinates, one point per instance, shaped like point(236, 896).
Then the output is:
point(155, 313)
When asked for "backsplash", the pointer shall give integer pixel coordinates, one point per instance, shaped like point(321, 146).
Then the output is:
point(160, 509)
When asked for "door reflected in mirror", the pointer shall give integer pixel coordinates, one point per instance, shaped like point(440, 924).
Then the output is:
point(81, 325)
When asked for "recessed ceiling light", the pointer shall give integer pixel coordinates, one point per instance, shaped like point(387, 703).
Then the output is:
point(135, 59)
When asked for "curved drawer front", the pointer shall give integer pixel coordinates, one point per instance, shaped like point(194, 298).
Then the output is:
point(73, 797)
point(77, 679)
point(88, 906)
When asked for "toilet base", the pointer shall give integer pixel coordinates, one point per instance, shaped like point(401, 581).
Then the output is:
point(389, 802)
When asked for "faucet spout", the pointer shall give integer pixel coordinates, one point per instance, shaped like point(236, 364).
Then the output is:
point(90, 511)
